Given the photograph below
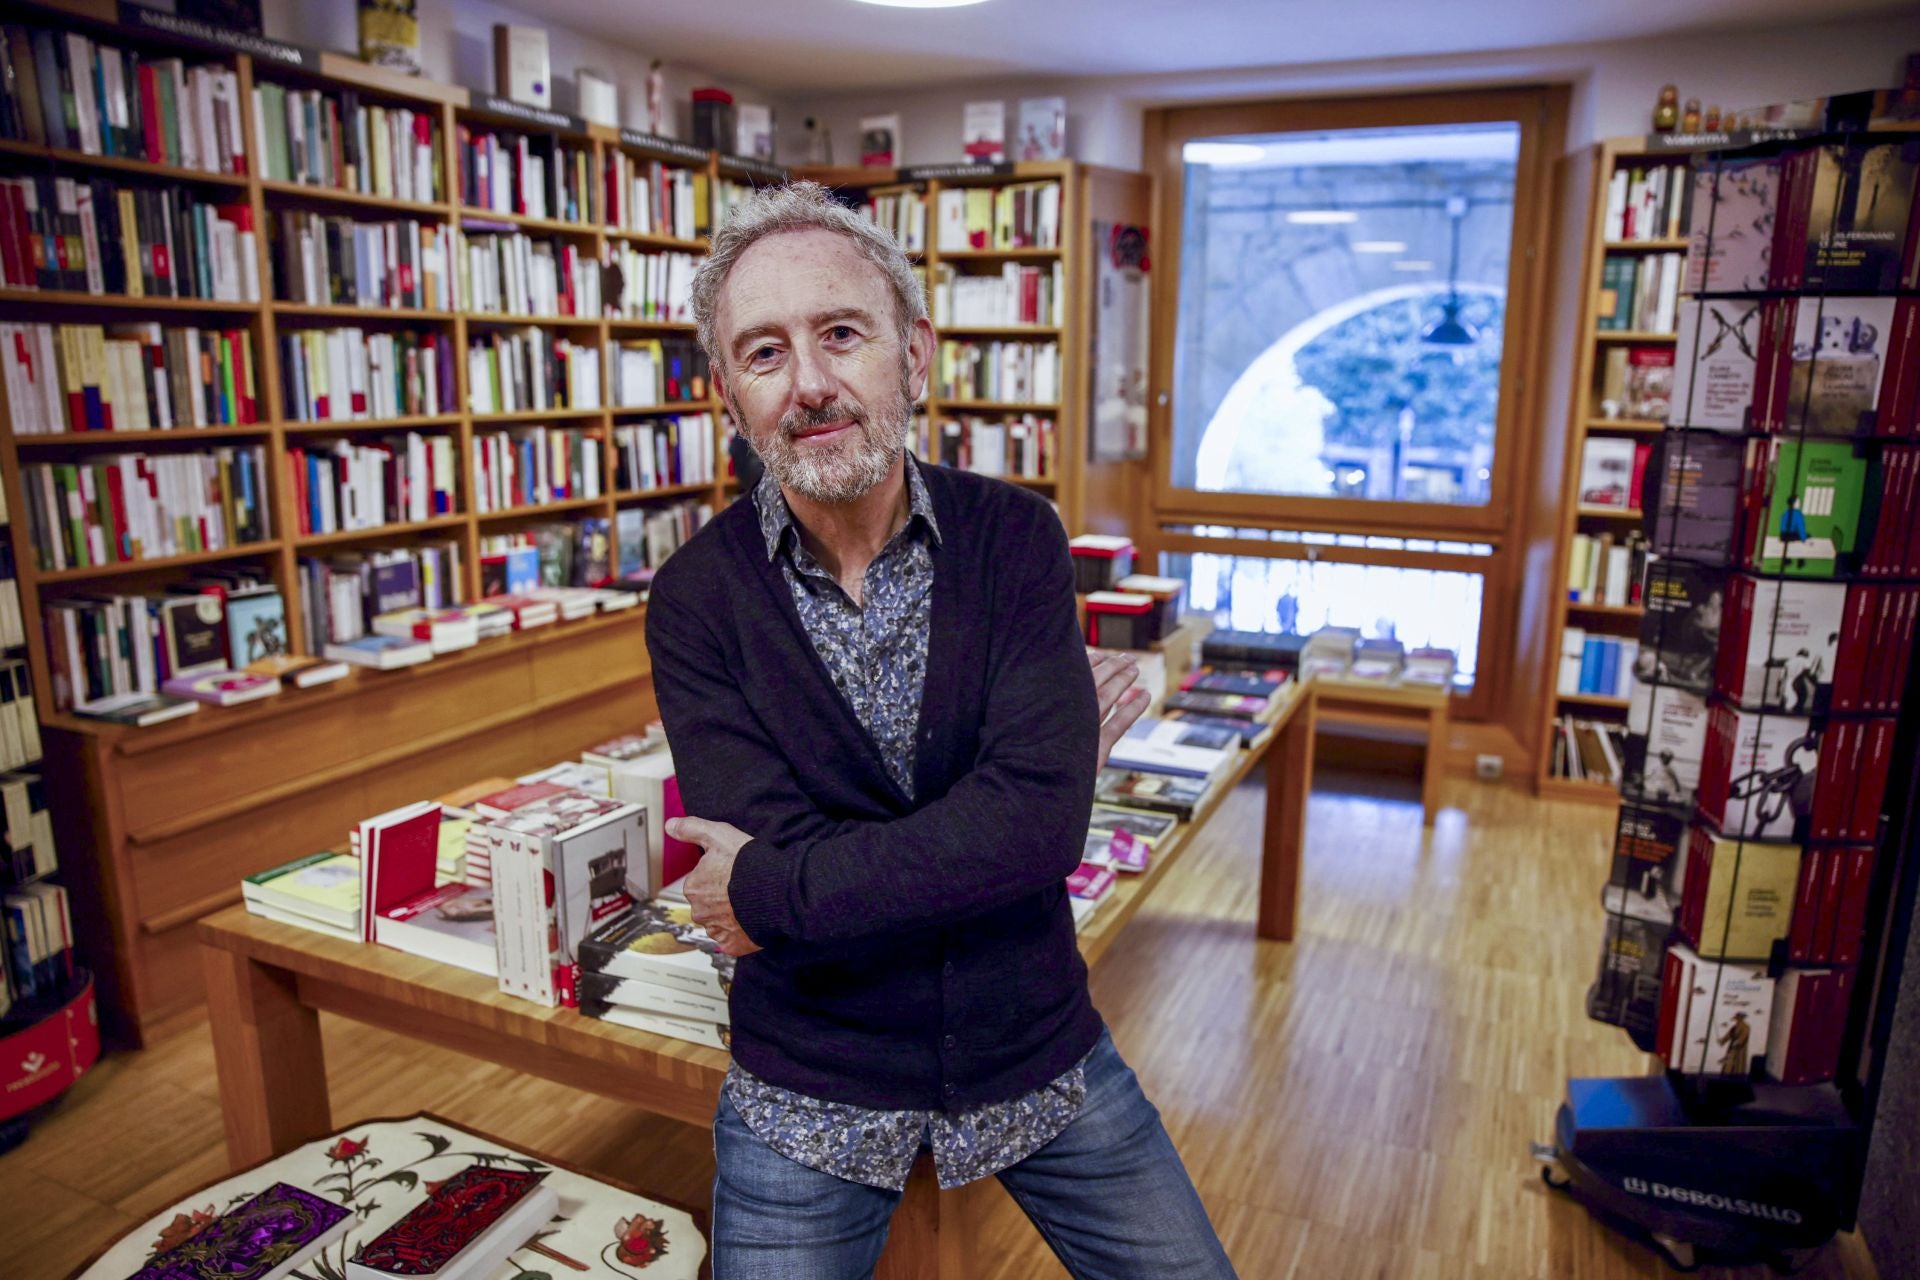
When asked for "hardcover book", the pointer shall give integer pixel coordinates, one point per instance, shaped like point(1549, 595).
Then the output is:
point(1715, 364)
point(467, 1226)
point(1812, 517)
point(268, 1236)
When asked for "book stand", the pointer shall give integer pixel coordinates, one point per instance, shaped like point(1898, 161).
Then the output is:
point(1748, 804)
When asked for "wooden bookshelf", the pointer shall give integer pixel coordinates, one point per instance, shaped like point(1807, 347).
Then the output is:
point(1065, 484)
point(1586, 420)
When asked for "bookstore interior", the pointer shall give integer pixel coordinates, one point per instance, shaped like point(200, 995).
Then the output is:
point(1511, 871)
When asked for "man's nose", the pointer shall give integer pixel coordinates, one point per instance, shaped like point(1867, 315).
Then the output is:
point(813, 382)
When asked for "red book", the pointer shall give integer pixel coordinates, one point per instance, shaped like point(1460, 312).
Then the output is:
point(479, 1212)
point(1876, 754)
point(1851, 658)
point(1637, 488)
point(677, 857)
point(1850, 913)
point(1806, 905)
point(12, 271)
point(120, 536)
point(1673, 979)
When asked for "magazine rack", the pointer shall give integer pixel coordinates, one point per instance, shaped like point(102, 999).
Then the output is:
point(1767, 717)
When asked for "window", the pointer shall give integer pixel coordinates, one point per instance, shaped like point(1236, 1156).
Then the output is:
point(1350, 299)
point(1342, 307)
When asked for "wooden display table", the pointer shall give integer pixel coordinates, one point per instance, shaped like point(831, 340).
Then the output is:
point(1393, 705)
point(266, 983)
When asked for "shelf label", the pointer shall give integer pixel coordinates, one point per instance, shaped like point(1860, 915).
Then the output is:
point(532, 115)
point(207, 36)
point(1723, 140)
point(754, 168)
point(666, 146)
point(932, 172)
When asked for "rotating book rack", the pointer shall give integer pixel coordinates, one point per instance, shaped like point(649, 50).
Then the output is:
point(1757, 875)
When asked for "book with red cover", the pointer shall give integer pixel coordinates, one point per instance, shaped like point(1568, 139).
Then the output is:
point(1808, 1020)
point(484, 1212)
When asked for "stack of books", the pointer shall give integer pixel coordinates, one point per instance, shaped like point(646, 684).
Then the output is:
point(1329, 652)
point(320, 892)
point(656, 970)
point(1378, 660)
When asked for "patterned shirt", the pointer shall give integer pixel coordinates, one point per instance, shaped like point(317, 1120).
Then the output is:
point(876, 652)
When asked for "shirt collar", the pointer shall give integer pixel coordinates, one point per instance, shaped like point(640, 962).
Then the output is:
point(776, 517)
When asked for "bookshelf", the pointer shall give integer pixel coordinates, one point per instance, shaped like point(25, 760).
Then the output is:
point(1064, 482)
point(1587, 421)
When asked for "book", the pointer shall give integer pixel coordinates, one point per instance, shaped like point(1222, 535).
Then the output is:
point(1713, 1014)
point(301, 672)
point(647, 996)
point(222, 687)
point(1043, 129)
point(562, 867)
point(1757, 773)
point(520, 65)
point(659, 942)
point(983, 132)
point(193, 629)
point(1666, 738)
point(465, 1228)
point(256, 626)
point(649, 780)
point(1856, 213)
point(1680, 630)
point(382, 653)
point(1627, 989)
point(715, 1035)
point(1171, 747)
point(403, 907)
point(1842, 350)
point(1814, 492)
point(1715, 364)
point(1696, 506)
point(1782, 641)
point(267, 1236)
point(880, 142)
point(324, 886)
point(1149, 828)
point(139, 709)
point(1143, 789)
point(1830, 905)
point(1606, 471)
point(1807, 1024)
point(1737, 896)
point(1730, 236)
point(1649, 375)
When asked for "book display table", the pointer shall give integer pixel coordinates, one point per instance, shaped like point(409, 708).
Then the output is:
point(1394, 705)
point(383, 1168)
point(267, 983)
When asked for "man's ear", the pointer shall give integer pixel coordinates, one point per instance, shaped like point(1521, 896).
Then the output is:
point(920, 342)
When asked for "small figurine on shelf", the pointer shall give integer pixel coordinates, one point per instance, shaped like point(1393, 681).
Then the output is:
point(1666, 111)
point(1712, 121)
point(1690, 118)
point(819, 143)
point(656, 100)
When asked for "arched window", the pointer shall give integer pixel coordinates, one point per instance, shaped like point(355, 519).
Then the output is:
point(1352, 403)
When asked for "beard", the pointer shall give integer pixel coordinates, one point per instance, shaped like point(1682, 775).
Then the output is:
point(844, 470)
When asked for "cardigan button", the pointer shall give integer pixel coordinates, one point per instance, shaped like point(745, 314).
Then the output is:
point(951, 1042)
point(947, 969)
point(952, 1089)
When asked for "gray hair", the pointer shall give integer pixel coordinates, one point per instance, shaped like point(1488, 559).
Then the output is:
point(799, 206)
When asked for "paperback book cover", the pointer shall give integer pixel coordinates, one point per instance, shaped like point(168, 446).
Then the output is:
point(473, 1220)
point(1694, 513)
point(1812, 516)
point(1808, 1024)
point(660, 943)
point(1715, 364)
point(1842, 349)
point(1626, 991)
point(1730, 238)
point(1666, 735)
point(1783, 641)
point(1647, 859)
point(1606, 471)
point(1685, 607)
point(1713, 1015)
point(1738, 895)
point(1757, 774)
point(1160, 792)
point(1861, 205)
point(266, 1236)
point(1148, 827)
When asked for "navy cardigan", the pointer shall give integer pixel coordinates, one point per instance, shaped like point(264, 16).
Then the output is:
point(918, 953)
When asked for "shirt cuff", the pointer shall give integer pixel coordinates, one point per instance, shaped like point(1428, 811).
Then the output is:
point(758, 891)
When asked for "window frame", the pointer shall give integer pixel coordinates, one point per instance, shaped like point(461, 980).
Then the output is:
point(1539, 112)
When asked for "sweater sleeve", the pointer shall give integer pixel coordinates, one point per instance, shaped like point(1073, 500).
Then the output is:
point(1014, 823)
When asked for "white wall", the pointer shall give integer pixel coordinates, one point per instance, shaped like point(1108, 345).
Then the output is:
point(456, 46)
point(1614, 85)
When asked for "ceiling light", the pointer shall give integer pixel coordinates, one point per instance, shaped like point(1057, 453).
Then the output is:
point(1221, 153)
point(923, 4)
point(1322, 217)
point(1413, 264)
point(1379, 246)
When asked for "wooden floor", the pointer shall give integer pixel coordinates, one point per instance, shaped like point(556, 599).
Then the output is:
point(1356, 1104)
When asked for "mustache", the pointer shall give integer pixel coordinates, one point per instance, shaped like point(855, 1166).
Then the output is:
point(800, 420)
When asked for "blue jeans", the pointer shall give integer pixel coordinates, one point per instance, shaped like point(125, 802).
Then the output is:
point(1109, 1195)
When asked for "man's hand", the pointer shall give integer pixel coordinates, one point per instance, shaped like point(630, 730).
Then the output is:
point(1116, 684)
point(707, 883)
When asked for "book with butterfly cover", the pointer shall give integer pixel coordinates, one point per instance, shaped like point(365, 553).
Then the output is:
point(465, 1229)
point(268, 1236)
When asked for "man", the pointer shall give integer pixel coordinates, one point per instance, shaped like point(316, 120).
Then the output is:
point(885, 724)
